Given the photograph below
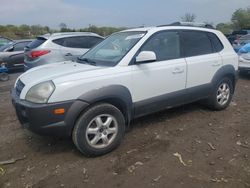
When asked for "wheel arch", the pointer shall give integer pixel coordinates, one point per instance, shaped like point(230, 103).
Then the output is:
point(117, 95)
point(225, 71)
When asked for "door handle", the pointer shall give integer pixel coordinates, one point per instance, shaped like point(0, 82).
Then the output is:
point(178, 71)
point(68, 54)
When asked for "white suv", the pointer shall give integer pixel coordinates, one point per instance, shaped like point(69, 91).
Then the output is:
point(130, 74)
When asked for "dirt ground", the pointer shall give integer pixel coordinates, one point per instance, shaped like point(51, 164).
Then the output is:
point(189, 147)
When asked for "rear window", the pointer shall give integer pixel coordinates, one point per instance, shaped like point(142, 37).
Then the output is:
point(78, 42)
point(196, 43)
point(39, 41)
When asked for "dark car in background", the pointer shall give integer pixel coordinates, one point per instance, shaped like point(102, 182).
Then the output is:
point(236, 35)
point(14, 63)
point(14, 47)
point(12, 54)
point(240, 42)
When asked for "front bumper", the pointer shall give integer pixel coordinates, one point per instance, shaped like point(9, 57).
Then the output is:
point(40, 118)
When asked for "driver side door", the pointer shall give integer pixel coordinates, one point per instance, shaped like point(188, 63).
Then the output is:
point(159, 84)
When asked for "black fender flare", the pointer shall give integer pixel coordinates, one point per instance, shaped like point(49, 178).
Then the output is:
point(117, 95)
point(225, 71)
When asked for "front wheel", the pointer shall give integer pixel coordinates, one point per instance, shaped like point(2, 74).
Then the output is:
point(99, 130)
point(222, 95)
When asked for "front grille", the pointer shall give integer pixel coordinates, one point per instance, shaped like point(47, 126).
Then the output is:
point(19, 87)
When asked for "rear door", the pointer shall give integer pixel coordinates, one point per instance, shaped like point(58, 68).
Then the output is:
point(202, 57)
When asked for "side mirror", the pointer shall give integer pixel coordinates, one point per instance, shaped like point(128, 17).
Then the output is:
point(146, 57)
point(10, 49)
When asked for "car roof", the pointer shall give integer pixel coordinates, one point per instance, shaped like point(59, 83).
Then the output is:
point(68, 34)
point(169, 27)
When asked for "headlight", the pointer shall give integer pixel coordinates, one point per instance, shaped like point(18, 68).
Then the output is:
point(40, 93)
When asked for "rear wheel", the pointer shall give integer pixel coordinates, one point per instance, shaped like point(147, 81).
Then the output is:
point(99, 130)
point(222, 95)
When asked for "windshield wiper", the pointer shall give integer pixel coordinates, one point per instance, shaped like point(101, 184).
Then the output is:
point(87, 61)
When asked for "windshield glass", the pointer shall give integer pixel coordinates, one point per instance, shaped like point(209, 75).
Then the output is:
point(2, 48)
point(113, 49)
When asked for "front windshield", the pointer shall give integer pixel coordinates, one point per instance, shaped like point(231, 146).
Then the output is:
point(2, 48)
point(110, 51)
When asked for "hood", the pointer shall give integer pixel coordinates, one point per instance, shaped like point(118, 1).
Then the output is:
point(55, 70)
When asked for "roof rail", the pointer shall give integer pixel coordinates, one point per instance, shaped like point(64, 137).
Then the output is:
point(71, 33)
point(191, 24)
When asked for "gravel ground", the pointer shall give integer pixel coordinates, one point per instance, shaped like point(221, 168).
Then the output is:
point(189, 147)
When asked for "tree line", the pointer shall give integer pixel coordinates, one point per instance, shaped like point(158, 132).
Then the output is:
point(240, 20)
point(27, 31)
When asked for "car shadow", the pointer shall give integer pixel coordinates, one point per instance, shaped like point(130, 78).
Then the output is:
point(244, 76)
point(168, 114)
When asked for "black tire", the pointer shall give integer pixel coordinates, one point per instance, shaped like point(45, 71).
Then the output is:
point(79, 135)
point(213, 102)
point(4, 77)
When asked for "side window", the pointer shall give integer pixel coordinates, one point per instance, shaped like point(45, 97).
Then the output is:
point(166, 45)
point(72, 42)
point(217, 45)
point(59, 41)
point(20, 46)
point(196, 43)
point(78, 42)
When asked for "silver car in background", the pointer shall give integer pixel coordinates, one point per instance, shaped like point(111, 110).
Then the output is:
point(56, 47)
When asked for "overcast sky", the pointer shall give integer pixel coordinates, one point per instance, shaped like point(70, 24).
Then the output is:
point(129, 13)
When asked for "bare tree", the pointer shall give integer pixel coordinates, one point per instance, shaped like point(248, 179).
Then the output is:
point(188, 17)
point(62, 26)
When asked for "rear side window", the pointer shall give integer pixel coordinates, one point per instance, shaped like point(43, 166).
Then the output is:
point(166, 45)
point(216, 43)
point(38, 42)
point(78, 42)
point(20, 46)
point(196, 43)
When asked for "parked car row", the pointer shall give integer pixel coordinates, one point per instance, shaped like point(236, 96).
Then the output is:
point(129, 74)
point(240, 41)
point(28, 53)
